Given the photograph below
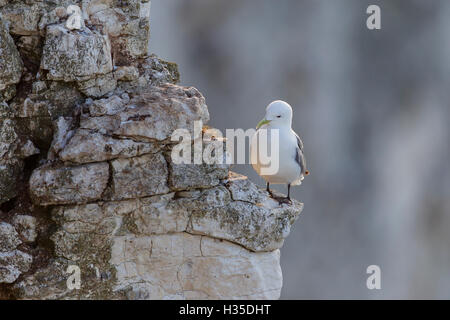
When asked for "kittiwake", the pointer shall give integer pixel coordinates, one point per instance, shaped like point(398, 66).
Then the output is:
point(292, 164)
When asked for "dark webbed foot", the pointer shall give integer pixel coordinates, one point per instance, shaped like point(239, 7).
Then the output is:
point(281, 200)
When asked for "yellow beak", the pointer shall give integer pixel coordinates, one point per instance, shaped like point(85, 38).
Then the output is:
point(262, 122)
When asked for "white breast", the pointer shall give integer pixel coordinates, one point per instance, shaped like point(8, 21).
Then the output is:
point(289, 171)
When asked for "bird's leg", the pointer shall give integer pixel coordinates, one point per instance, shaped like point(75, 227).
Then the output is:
point(268, 189)
point(286, 200)
point(280, 200)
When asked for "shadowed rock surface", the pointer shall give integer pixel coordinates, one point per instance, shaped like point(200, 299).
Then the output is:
point(87, 178)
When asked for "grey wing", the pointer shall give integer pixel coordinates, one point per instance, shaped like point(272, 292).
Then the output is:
point(299, 157)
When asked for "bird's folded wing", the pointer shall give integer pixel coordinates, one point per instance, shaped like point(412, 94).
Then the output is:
point(299, 142)
point(299, 157)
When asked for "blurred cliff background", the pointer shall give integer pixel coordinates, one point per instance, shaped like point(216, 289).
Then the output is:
point(373, 110)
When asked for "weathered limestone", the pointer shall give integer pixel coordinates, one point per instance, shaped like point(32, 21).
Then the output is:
point(8, 137)
point(179, 245)
point(258, 225)
point(75, 56)
point(157, 71)
point(12, 261)
point(13, 149)
point(27, 150)
point(125, 73)
point(148, 247)
point(98, 86)
point(69, 184)
point(152, 71)
point(189, 176)
point(23, 19)
point(10, 63)
point(87, 146)
point(9, 238)
point(155, 113)
point(59, 98)
point(139, 177)
point(12, 264)
point(151, 115)
point(108, 106)
point(127, 25)
point(9, 172)
point(255, 222)
point(87, 177)
point(103, 124)
point(61, 136)
point(183, 266)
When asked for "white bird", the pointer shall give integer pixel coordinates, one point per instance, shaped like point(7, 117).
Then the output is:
point(292, 164)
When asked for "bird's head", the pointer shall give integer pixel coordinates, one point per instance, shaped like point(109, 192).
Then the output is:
point(278, 113)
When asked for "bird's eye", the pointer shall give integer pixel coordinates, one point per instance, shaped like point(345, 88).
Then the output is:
point(278, 116)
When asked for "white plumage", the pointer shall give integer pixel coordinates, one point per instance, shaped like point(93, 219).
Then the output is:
point(292, 166)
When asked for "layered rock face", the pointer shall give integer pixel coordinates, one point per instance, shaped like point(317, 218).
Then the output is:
point(87, 177)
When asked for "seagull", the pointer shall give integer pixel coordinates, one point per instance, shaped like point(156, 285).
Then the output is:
point(292, 164)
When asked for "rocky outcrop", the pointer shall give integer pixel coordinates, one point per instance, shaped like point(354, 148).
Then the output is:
point(75, 56)
point(12, 261)
point(87, 177)
point(10, 63)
